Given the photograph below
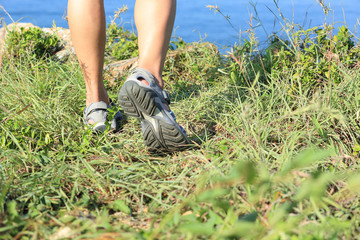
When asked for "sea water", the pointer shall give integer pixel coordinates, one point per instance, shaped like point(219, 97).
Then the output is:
point(195, 21)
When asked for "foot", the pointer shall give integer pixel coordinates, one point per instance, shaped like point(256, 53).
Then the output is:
point(96, 116)
point(149, 103)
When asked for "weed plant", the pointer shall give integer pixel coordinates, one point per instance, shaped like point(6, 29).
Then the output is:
point(33, 43)
point(120, 43)
point(277, 137)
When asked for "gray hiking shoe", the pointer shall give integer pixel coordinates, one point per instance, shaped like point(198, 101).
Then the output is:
point(98, 112)
point(161, 132)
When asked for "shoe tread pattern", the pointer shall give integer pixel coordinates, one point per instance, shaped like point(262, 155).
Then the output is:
point(142, 100)
point(170, 138)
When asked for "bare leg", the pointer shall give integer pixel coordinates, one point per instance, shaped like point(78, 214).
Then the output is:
point(87, 26)
point(154, 21)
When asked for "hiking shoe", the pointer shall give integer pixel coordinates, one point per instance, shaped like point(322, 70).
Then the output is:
point(160, 130)
point(98, 113)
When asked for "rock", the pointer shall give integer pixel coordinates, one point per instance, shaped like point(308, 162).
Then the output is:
point(67, 49)
point(2, 43)
point(63, 34)
point(4, 32)
point(63, 232)
point(112, 71)
point(65, 54)
point(18, 26)
point(117, 69)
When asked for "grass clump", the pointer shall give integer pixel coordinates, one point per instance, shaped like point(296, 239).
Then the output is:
point(277, 157)
point(32, 42)
point(121, 43)
point(319, 56)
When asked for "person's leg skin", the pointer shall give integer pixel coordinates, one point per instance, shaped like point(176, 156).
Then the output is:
point(154, 21)
point(87, 25)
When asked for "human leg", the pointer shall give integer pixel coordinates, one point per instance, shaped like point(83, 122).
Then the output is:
point(141, 95)
point(154, 21)
point(87, 26)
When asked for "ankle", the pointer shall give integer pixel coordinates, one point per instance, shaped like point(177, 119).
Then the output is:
point(92, 98)
point(160, 82)
point(156, 74)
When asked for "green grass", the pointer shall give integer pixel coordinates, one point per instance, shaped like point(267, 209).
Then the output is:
point(276, 157)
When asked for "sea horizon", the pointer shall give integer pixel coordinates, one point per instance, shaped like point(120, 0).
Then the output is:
point(195, 21)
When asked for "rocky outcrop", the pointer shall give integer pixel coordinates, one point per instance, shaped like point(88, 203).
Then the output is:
point(4, 32)
point(66, 43)
point(112, 70)
point(67, 48)
point(116, 69)
point(2, 43)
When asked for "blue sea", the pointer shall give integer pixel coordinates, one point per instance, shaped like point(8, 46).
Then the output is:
point(196, 22)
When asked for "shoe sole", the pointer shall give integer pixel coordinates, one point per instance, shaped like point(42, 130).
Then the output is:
point(99, 128)
point(160, 133)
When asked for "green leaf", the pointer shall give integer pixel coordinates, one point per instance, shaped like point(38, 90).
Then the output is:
point(243, 229)
point(5, 189)
point(11, 208)
point(306, 158)
point(197, 228)
point(212, 194)
point(47, 139)
point(245, 171)
point(321, 131)
point(120, 206)
point(353, 183)
point(251, 217)
point(357, 148)
point(314, 187)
